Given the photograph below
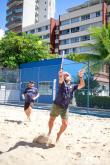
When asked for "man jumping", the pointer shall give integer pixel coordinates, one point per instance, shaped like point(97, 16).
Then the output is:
point(63, 99)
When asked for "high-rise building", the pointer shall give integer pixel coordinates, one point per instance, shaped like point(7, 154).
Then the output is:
point(22, 13)
point(14, 15)
point(37, 11)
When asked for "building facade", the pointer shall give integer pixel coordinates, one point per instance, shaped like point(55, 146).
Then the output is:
point(22, 13)
point(14, 15)
point(74, 25)
point(71, 30)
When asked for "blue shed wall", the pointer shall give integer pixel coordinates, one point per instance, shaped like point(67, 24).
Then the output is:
point(47, 70)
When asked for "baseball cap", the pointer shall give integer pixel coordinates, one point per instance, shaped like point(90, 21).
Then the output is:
point(31, 82)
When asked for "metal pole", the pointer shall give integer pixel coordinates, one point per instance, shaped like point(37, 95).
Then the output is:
point(88, 85)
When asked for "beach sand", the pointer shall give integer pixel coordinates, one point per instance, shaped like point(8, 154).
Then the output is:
point(85, 142)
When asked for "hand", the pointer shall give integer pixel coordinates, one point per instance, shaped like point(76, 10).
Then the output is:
point(81, 73)
point(23, 97)
point(61, 72)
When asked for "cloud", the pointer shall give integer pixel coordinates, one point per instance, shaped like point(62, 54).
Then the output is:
point(1, 33)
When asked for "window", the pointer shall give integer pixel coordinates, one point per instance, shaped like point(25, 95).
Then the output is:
point(56, 45)
point(18, 10)
point(75, 39)
point(45, 88)
point(66, 51)
point(64, 42)
point(64, 32)
point(84, 49)
point(85, 17)
point(74, 30)
point(32, 31)
point(57, 36)
point(98, 14)
point(99, 24)
point(108, 14)
point(84, 27)
point(74, 50)
point(39, 29)
point(74, 20)
point(66, 22)
point(46, 36)
point(85, 38)
point(46, 27)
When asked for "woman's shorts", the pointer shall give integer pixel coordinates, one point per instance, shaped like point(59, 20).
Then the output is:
point(28, 104)
point(58, 110)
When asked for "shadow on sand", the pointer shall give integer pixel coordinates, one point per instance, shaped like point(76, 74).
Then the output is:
point(32, 145)
point(14, 121)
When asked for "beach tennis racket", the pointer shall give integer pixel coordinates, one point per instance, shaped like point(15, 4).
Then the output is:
point(62, 61)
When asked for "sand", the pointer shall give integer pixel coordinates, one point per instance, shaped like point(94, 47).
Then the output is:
point(85, 142)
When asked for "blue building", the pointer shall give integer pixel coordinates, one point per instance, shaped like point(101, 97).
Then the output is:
point(45, 74)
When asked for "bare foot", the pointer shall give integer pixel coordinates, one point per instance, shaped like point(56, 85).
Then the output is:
point(58, 136)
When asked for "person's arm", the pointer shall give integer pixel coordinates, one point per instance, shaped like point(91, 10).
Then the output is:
point(61, 78)
point(34, 98)
point(37, 95)
point(81, 83)
point(24, 94)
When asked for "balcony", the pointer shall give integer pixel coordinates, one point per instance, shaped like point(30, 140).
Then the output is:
point(13, 15)
point(14, 23)
point(12, 3)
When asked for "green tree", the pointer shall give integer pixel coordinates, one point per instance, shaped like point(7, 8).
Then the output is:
point(100, 50)
point(17, 49)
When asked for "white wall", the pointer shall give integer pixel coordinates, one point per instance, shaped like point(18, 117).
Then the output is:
point(46, 10)
point(51, 9)
point(28, 12)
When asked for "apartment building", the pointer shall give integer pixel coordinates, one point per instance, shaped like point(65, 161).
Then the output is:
point(74, 25)
point(45, 30)
point(71, 31)
point(22, 13)
point(14, 15)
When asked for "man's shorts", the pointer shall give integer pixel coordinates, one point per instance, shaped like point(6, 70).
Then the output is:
point(58, 110)
point(28, 104)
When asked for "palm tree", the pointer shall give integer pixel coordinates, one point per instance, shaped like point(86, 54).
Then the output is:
point(100, 49)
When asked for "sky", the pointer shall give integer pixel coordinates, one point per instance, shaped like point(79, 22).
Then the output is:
point(61, 6)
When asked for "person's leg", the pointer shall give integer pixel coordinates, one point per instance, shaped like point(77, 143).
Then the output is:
point(53, 114)
point(28, 109)
point(64, 112)
point(28, 112)
point(50, 124)
point(62, 128)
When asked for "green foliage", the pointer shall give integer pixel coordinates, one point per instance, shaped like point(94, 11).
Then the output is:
point(17, 49)
point(93, 85)
point(102, 102)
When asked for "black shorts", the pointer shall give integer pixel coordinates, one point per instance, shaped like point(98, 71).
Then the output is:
point(28, 104)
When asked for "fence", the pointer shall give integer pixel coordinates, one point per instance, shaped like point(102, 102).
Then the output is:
point(13, 83)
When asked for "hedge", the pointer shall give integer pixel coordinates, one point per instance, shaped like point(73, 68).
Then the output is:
point(102, 102)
